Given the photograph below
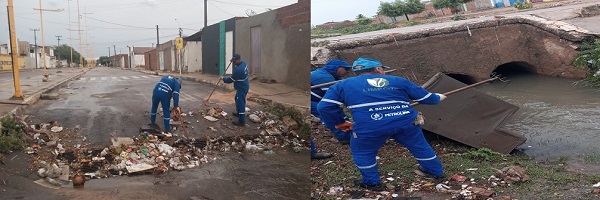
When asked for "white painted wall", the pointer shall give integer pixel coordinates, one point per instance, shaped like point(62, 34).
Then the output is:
point(138, 60)
point(229, 50)
point(192, 53)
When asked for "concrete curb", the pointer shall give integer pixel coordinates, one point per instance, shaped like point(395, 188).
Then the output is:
point(35, 97)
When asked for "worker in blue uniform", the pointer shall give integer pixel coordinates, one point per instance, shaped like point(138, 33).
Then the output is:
point(168, 87)
point(333, 70)
point(380, 110)
point(241, 84)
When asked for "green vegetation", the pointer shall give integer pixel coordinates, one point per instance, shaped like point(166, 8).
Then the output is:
point(12, 136)
point(589, 57)
point(64, 52)
point(523, 5)
point(282, 111)
point(364, 21)
point(103, 60)
point(346, 30)
point(398, 8)
point(457, 17)
point(452, 4)
point(319, 43)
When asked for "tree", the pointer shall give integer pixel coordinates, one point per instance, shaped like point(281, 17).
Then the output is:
point(413, 7)
point(399, 7)
point(364, 21)
point(390, 10)
point(360, 16)
point(452, 4)
point(103, 60)
point(64, 52)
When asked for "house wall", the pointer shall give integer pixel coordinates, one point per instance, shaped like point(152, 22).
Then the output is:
point(285, 43)
point(213, 60)
point(151, 60)
point(168, 55)
point(193, 56)
point(6, 62)
point(138, 60)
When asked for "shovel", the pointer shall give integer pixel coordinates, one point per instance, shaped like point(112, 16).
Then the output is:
point(206, 102)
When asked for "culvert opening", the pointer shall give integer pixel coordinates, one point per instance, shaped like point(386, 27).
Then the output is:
point(514, 69)
point(466, 79)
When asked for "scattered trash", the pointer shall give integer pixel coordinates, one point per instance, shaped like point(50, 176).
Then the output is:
point(254, 118)
point(211, 118)
point(482, 191)
point(513, 174)
point(458, 178)
point(335, 190)
point(596, 185)
point(442, 187)
point(56, 129)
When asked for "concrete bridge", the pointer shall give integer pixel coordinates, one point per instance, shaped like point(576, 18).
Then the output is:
point(470, 51)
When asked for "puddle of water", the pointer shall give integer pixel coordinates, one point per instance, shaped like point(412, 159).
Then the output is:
point(558, 118)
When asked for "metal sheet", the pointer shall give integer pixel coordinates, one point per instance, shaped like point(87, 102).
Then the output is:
point(470, 117)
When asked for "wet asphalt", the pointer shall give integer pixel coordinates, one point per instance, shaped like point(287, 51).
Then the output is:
point(105, 101)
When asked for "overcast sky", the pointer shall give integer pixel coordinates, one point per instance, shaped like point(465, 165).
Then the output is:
point(339, 10)
point(123, 22)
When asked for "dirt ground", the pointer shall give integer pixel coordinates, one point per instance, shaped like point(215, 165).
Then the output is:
point(470, 174)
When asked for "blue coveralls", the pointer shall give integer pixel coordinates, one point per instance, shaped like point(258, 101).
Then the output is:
point(163, 91)
point(320, 76)
point(241, 84)
point(380, 110)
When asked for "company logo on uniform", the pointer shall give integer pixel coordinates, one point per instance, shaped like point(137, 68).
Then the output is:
point(376, 116)
point(378, 82)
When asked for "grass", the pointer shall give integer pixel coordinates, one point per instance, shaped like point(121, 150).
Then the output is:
point(11, 136)
point(346, 30)
point(282, 111)
point(548, 179)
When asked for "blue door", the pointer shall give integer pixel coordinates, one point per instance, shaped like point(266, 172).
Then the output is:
point(512, 2)
point(498, 4)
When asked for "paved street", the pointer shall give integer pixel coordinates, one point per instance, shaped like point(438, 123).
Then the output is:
point(106, 100)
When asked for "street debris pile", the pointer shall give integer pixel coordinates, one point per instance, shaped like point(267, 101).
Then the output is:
point(62, 154)
point(399, 177)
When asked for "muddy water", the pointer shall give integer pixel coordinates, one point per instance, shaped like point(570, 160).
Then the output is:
point(281, 175)
point(558, 118)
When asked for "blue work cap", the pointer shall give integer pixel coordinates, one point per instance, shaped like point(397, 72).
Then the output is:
point(332, 65)
point(180, 80)
point(366, 63)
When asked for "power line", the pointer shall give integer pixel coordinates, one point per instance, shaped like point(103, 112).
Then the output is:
point(140, 40)
point(221, 9)
point(118, 23)
point(243, 4)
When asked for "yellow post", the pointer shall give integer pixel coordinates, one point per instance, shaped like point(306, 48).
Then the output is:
point(13, 50)
point(43, 45)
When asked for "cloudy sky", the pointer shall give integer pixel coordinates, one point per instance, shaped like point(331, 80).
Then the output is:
point(122, 22)
point(339, 10)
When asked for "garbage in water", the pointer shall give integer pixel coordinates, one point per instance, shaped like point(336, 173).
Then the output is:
point(62, 154)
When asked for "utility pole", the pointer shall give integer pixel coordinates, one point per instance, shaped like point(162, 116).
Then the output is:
point(36, 47)
point(79, 31)
point(115, 54)
point(87, 38)
point(43, 43)
point(13, 50)
point(58, 38)
point(70, 34)
point(108, 65)
point(157, 41)
point(205, 14)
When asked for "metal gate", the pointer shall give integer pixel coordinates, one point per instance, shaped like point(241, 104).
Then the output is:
point(256, 36)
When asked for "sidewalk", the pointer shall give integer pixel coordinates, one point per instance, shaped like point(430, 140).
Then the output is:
point(33, 87)
point(276, 92)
